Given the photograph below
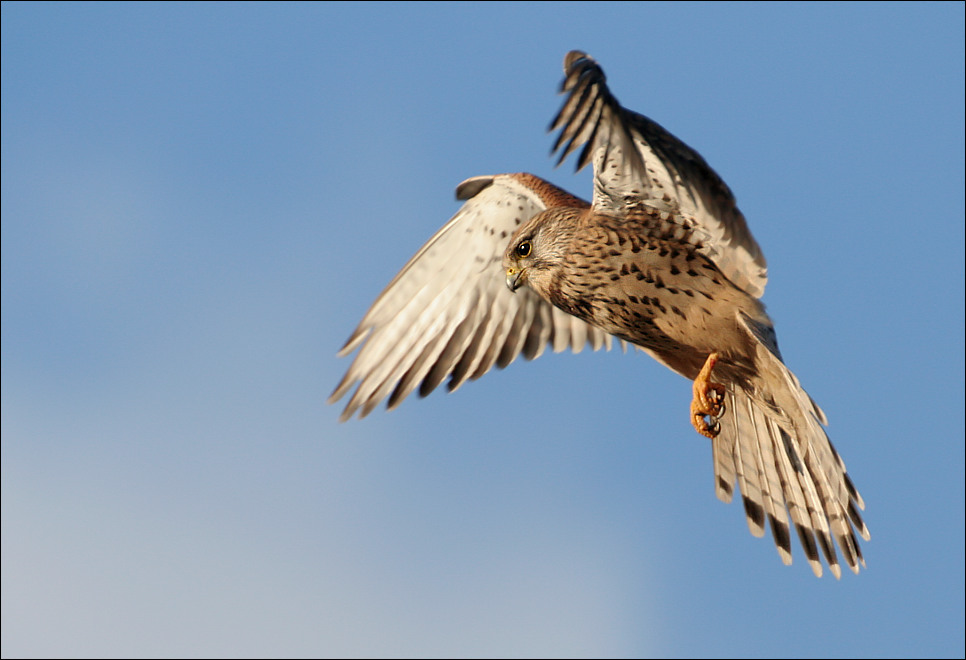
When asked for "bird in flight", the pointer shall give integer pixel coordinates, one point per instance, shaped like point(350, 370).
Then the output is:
point(662, 259)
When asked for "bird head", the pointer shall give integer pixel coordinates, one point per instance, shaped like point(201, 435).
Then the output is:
point(537, 248)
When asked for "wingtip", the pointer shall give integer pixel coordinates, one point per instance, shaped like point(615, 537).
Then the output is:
point(573, 56)
point(473, 186)
point(347, 412)
point(354, 340)
point(340, 390)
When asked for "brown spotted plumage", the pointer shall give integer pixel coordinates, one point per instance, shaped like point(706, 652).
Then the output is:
point(662, 259)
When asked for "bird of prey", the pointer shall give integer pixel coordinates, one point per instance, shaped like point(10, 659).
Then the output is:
point(662, 259)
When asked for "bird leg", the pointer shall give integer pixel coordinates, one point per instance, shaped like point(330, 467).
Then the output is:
point(708, 400)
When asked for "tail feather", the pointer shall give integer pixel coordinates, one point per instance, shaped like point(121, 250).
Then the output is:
point(819, 518)
point(724, 460)
point(749, 480)
point(835, 509)
point(773, 443)
point(826, 471)
point(757, 472)
point(789, 465)
point(772, 490)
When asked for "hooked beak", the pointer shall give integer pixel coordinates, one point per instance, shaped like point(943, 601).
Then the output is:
point(515, 277)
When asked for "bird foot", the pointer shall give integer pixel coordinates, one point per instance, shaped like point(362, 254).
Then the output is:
point(708, 402)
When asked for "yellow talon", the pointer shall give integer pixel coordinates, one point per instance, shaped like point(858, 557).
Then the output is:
point(708, 399)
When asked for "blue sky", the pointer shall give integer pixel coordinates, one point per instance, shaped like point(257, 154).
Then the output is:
point(200, 201)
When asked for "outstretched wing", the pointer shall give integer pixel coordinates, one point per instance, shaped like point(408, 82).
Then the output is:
point(449, 314)
point(637, 162)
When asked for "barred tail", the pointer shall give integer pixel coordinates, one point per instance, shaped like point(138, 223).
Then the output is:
point(772, 441)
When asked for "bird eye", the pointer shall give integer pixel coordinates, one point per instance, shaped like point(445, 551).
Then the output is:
point(523, 249)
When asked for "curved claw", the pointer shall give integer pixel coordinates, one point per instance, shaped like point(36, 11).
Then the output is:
point(708, 400)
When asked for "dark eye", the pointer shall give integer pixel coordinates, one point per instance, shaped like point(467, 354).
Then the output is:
point(523, 249)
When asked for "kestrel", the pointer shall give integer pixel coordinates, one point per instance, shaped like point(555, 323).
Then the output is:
point(662, 259)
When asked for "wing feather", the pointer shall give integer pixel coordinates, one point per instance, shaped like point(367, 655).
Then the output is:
point(448, 313)
point(636, 161)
